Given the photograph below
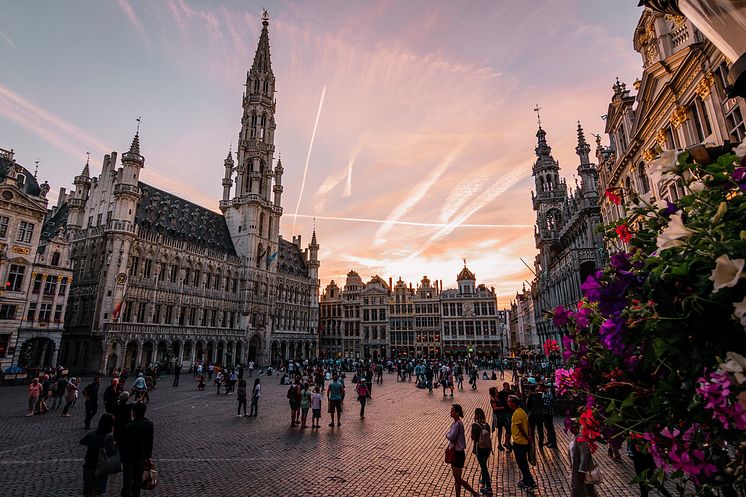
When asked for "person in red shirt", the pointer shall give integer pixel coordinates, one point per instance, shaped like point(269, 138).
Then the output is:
point(34, 391)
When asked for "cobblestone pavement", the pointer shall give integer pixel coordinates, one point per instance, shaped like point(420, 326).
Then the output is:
point(203, 449)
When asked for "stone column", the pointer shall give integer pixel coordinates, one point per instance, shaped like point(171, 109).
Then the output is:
point(139, 356)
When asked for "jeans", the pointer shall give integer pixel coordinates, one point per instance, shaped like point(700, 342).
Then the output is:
point(482, 456)
point(536, 421)
point(521, 458)
point(242, 402)
point(548, 421)
point(254, 406)
point(362, 400)
point(91, 408)
point(132, 478)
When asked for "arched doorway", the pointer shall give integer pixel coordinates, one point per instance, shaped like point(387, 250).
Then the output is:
point(229, 354)
point(239, 353)
point(130, 360)
point(187, 351)
point(210, 352)
point(308, 351)
point(147, 354)
point(275, 351)
point(255, 346)
point(176, 352)
point(161, 354)
point(220, 358)
point(283, 350)
point(36, 353)
point(112, 361)
point(200, 350)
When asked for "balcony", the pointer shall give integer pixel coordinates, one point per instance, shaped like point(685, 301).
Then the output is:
point(124, 189)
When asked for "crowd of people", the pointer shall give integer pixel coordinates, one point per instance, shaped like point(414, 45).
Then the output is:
point(519, 419)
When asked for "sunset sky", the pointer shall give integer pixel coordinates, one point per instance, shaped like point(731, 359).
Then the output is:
point(425, 139)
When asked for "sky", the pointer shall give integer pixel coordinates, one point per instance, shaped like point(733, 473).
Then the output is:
point(423, 112)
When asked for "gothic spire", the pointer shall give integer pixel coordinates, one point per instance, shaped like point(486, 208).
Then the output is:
point(135, 147)
point(542, 148)
point(262, 62)
point(583, 149)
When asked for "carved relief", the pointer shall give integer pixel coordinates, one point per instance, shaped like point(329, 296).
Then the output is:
point(704, 86)
point(648, 155)
point(679, 117)
point(660, 137)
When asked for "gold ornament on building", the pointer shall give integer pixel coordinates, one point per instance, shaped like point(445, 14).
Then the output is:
point(679, 117)
point(704, 86)
point(676, 20)
point(660, 137)
point(648, 155)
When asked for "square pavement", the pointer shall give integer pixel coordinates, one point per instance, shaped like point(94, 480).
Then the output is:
point(202, 448)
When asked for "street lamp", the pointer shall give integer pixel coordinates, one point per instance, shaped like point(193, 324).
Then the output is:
point(724, 23)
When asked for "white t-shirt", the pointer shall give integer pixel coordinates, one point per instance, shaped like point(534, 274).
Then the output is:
point(315, 400)
point(257, 390)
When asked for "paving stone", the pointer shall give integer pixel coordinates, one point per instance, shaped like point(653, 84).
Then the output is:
point(203, 449)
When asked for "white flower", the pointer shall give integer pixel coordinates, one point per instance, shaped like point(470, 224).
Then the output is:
point(736, 364)
point(727, 272)
point(665, 166)
point(642, 200)
point(740, 150)
point(696, 186)
point(741, 311)
point(671, 235)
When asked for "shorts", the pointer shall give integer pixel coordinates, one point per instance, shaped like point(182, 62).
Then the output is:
point(294, 405)
point(335, 405)
point(316, 413)
point(460, 459)
point(502, 421)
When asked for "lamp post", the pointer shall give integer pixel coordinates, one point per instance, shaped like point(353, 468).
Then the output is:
point(723, 22)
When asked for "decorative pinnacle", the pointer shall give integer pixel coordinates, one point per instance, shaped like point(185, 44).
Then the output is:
point(265, 17)
point(36, 169)
point(86, 172)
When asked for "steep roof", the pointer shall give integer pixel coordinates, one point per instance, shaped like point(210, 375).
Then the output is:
point(31, 186)
point(465, 274)
point(55, 223)
point(165, 213)
point(290, 260)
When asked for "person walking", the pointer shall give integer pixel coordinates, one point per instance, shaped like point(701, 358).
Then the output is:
point(581, 461)
point(504, 416)
point(481, 435)
point(34, 392)
point(219, 380)
point(122, 415)
point(305, 404)
point(90, 393)
point(241, 396)
point(334, 394)
point(316, 408)
point(535, 408)
point(111, 395)
point(457, 445)
point(71, 393)
point(521, 442)
point(362, 397)
point(94, 480)
point(60, 387)
point(177, 374)
point(548, 416)
point(140, 388)
point(255, 393)
point(232, 379)
point(136, 450)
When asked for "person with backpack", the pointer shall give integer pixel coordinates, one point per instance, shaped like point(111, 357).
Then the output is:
point(294, 401)
point(362, 397)
point(481, 435)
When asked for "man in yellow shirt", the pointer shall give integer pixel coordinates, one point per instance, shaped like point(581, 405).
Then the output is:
point(521, 442)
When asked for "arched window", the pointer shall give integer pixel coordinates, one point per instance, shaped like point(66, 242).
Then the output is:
point(55, 259)
point(253, 122)
point(259, 255)
point(642, 176)
point(20, 180)
point(261, 224)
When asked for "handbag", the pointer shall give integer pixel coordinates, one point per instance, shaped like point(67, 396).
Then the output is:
point(109, 459)
point(149, 476)
point(593, 476)
point(451, 455)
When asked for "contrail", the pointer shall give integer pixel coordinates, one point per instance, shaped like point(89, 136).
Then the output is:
point(414, 223)
point(308, 157)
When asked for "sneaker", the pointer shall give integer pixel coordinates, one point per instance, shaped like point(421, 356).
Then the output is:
point(331, 425)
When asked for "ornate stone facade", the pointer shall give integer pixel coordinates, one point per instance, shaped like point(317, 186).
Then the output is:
point(35, 266)
point(160, 279)
point(381, 319)
point(680, 103)
point(569, 246)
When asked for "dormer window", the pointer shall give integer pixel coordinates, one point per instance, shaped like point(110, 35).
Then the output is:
point(20, 180)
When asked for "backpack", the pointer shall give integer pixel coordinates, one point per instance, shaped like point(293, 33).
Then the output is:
point(485, 437)
point(293, 393)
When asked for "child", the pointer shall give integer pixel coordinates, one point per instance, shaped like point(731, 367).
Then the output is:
point(316, 407)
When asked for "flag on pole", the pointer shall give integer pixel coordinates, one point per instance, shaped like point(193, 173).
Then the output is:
point(272, 257)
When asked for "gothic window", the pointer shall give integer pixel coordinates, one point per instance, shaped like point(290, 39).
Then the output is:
point(263, 127)
point(554, 219)
point(642, 177)
point(261, 224)
point(269, 228)
point(256, 85)
point(266, 87)
point(259, 254)
point(55, 259)
point(700, 119)
point(253, 123)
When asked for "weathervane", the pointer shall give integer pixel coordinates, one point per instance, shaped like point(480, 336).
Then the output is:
point(538, 115)
point(36, 169)
point(265, 15)
point(139, 120)
point(88, 158)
